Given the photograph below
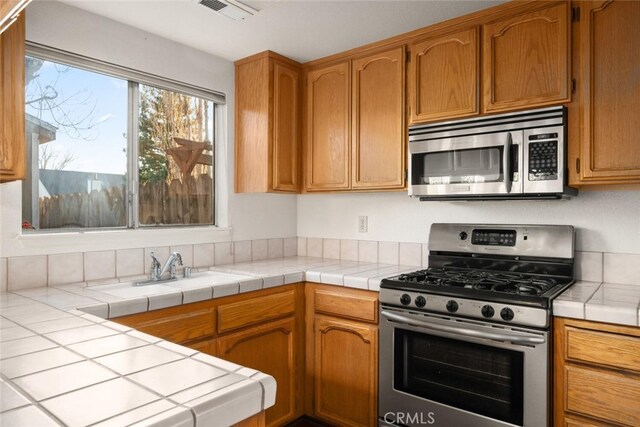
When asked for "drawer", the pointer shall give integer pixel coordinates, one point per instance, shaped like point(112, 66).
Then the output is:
point(603, 394)
point(255, 310)
point(602, 348)
point(176, 324)
point(341, 304)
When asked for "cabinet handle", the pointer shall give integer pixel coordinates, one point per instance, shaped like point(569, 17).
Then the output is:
point(578, 165)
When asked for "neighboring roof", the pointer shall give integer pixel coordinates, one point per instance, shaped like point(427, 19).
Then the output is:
point(64, 182)
point(46, 131)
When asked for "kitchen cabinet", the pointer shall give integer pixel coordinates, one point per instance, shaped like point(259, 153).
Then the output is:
point(604, 146)
point(444, 76)
point(355, 132)
point(268, 102)
point(260, 330)
point(342, 355)
point(378, 118)
point(12, 107)
point(327, 121)
point(526, 59)
point(597, 374)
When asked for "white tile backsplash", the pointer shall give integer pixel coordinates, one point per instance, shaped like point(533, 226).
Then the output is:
point(349, 250)
point(275, 248)
point(99, 265)
point(588, 266)
point(331, 248)
point(259, 249)
point(129, 262)
point(410, 254)
point(302, 246)
point(242, 251)
point(3, 275)
point(388, 252)
point(203, 255)
point(290, 246)
point(27, 272)
point(223, 253)
point(314, 247)
point(66, 268)
point(621, 268)
point(367, 251)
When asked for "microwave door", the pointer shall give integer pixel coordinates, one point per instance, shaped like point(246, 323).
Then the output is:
point(471, 165)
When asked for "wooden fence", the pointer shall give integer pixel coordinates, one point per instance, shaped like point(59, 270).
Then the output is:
point(186, 201)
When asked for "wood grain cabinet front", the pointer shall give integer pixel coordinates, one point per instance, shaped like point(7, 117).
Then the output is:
point(597, 374)
point(12, 107)
point(268, 124)
point(444, 76)
point(526, 59)
point(604, 140)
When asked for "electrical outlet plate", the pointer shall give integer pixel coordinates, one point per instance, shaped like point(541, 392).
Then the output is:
point(363, 224)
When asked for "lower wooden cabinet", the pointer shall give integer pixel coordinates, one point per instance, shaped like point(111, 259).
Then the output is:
point(269, 348)
point(342, 355)
point(597, 374)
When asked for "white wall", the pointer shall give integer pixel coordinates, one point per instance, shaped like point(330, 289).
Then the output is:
point(249, 216)
point(606, 221)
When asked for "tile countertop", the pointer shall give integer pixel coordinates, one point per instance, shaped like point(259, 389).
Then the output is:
point(63, 363)
point(600, 302)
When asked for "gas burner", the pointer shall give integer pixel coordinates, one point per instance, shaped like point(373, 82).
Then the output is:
point(479, 280)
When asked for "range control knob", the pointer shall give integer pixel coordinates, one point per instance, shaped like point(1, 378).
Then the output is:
point(405, 299)
point(463, 235)
point(506, 314)
point(452, 306)
point(487, 311)
point(421, 302)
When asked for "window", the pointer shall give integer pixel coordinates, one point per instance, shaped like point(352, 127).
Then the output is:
point(105, 150)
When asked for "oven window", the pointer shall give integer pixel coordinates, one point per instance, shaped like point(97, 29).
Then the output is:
point(476, 165)
point(477, 378)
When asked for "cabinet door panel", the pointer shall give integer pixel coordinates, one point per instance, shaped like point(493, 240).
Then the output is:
point(286, 119)
point(610, 90)
point(526, 60)
point(443, 77)
point(378, 135)
point(269, 348)
point(346, 360)
point(12, 112)
point(327, 141)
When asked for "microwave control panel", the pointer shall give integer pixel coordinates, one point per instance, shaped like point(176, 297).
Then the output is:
point(543, 157)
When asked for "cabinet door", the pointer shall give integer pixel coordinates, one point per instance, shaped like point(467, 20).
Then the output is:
point(286, 128)
point(12, 113)
point(346, 366)
point(443, 77)
point(609, 86)
point(526, 60)
point(327, 128)
point(378, 136)
point(269, 348)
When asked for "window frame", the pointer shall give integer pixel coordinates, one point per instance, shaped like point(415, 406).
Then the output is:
point(134, 79)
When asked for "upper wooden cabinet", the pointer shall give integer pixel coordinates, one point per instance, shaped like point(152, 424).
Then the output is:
point(606, 137)
point(12, 108)
point(444, 75)
point(327, 143)
point(267, 124)
point(354, 118)
point(378, 131)
point(526, 59)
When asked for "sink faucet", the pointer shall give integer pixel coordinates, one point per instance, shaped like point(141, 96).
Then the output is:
point(170, 266)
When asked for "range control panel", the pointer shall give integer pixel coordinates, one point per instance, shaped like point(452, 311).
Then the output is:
point(493, 237)
point(543, 157)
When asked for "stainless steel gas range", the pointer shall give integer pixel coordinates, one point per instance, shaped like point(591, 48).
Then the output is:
point(467, 342)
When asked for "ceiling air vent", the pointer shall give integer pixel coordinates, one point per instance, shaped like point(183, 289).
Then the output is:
point(230, 8)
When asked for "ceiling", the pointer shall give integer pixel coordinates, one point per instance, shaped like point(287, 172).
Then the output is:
point(300, 29)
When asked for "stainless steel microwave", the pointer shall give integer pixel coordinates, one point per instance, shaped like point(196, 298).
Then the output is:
point(516, 155)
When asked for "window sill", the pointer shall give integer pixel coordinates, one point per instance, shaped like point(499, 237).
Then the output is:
point(36, 243)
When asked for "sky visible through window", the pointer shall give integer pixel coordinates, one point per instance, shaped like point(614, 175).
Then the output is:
point(90, 112)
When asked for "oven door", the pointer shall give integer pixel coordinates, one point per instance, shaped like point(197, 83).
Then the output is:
point(441, 371)
point(485, 164)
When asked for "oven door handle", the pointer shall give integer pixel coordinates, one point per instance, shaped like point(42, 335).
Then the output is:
point(516, 339)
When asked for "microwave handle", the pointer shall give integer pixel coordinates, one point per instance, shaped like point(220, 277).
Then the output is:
point(507, 163)
point(468, 332)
